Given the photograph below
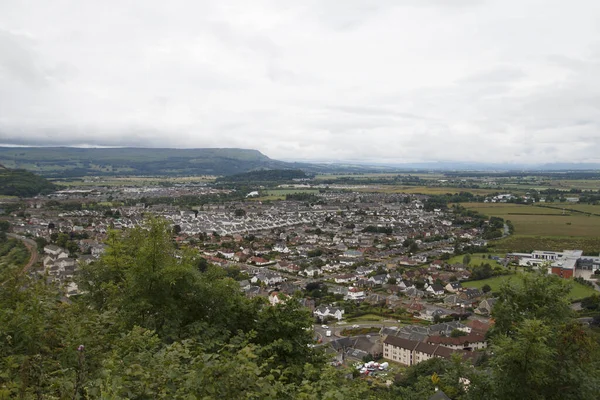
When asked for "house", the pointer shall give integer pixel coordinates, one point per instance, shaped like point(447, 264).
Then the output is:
point(260, 261)
point(470, 342)
point(470, 294)
point(439, 395)
point(324, 312)
point(411, 352)
point(366, 344)
point(311, 271)
point(378, 279)
point(281, 248)
point(375, 298)
point(54, 250)
point(355, 293)
point(344, 278)
point(268, 278)
point(453, 287)
point(435, 289)
point(277, 298)
point(414, 292)
point(486, 306)
point(364, 270)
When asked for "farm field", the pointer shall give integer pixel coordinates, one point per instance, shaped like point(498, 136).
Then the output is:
point(423, 189)
point(534, 221)
point(279, 194)
point(578, 291)
point(587, 208)
point(520, 243)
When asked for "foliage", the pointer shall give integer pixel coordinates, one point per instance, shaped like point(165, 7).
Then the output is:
point(18, 182)
point(378, 229)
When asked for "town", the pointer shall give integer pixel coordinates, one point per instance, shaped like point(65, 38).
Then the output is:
point(384, 274)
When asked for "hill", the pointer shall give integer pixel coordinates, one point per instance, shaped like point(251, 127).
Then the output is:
point(64, 162)
point(18, 182)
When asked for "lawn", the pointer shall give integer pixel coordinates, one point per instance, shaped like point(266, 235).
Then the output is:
point(476, 259)
point(578, 290)
point(366, 318)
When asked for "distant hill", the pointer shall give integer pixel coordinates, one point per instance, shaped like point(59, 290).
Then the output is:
point(64, 162)
point(73, 162)
point(18, 182)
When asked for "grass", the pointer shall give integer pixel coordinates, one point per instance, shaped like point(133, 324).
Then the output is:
point(366, 318)
point(578, 291)
point(476, 259)
point(279, 194)
point(495, 283)
point(534, 221)
point(588, 208)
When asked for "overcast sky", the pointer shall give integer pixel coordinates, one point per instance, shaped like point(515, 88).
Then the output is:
point(378, 80)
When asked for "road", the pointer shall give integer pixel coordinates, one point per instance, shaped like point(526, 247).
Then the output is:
point(32, 247)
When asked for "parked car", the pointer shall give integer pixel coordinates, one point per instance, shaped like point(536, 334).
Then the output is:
point(328, 333)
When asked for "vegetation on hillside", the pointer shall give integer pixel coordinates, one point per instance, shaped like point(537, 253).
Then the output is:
point(18, 182)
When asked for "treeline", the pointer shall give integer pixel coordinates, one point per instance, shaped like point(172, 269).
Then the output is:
point(441, 201)
point(21, 183)
point(306, 197)
point(378, 229)
point(268, 175)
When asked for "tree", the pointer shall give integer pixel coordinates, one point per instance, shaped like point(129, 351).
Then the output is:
point(457, 333)
point(176, 229)
point(531, 296)
point(467, 259)
point(538, 351)
point(486, 288)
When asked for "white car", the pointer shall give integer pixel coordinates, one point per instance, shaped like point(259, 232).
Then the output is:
point(324, 327)
point(328, 333)
point(355, 326)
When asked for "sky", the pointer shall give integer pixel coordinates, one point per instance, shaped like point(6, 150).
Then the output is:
point(394, 81)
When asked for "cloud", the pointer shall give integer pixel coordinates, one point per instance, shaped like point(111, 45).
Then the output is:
point(408, 80)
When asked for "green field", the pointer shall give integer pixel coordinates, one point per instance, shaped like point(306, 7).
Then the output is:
point(532, 221)
point(476, 259)
point(279, 194)
point(587, 208)
point(578, 291)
